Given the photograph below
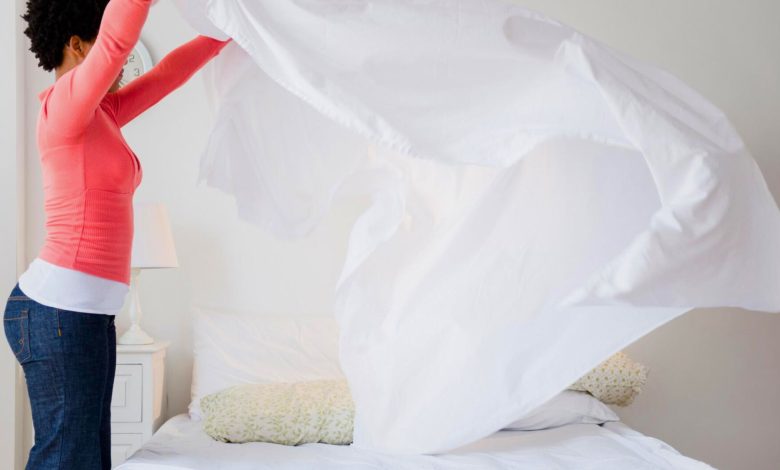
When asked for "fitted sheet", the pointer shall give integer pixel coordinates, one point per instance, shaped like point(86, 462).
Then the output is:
point(181, 444)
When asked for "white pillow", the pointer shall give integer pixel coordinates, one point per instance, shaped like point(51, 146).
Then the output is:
point(568, 407)
point(233, 348)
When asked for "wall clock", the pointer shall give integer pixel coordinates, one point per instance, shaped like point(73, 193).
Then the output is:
point(138, 63)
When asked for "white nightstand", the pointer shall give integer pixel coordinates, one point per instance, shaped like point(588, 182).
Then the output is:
point(138, 403)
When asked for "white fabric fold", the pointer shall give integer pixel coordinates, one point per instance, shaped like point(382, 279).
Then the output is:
point(539, 200)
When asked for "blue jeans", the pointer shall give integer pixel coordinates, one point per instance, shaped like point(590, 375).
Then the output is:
point(69, 359)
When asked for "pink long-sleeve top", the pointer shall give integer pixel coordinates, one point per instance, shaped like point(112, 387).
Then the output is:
point(89, 172)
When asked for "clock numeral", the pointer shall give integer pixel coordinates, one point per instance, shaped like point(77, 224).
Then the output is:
point(134, 67)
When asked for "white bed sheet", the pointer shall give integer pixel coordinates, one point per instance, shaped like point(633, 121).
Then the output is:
point(181, 444)
point(567, 199)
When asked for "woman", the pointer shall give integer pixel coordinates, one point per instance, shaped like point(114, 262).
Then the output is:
point(59, 319)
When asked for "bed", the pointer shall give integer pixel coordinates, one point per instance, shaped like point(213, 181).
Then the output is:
point(243, 347)
point(181, 444)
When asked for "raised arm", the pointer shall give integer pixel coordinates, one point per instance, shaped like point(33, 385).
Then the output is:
point(172, 72)
point(77, 94)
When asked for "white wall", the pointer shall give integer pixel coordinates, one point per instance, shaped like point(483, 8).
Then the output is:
point(12, 239)
point(714, 380)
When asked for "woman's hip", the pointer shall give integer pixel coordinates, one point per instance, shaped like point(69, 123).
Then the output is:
point(35, 332)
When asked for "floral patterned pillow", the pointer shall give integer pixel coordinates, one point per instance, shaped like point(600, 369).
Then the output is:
point(282, 413)
point(617, 381)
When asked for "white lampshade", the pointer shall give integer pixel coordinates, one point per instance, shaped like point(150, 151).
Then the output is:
point(153, 245)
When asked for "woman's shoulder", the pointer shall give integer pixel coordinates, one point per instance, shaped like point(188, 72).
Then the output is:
point(55, 107)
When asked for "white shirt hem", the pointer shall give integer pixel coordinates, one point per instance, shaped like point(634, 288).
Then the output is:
point(68, 289)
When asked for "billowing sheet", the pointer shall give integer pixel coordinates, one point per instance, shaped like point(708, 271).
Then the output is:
point(538, 200)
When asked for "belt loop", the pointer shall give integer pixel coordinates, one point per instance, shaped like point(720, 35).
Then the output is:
point(57, 316)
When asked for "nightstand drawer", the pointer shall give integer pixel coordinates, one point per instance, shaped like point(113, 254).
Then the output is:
point(127, 400)
point(123, 446)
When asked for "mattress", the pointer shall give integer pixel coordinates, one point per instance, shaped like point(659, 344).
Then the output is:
point(181, 444)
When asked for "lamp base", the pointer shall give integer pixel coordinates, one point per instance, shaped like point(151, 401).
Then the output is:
point(135, 335)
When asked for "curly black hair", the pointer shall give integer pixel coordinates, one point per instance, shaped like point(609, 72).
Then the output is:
point(51, 24)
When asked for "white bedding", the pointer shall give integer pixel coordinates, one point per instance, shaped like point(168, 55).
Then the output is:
point(567, 199)
point(181, 444)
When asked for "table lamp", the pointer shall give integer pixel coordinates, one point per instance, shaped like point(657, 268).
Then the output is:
point(153, 248)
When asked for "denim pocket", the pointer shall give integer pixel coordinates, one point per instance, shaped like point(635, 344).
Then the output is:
point(17, 332)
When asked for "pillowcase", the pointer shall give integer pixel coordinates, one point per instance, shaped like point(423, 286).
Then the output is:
point(232, 348)
point(617, 381)
point(568, 407)
point(282, 413)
